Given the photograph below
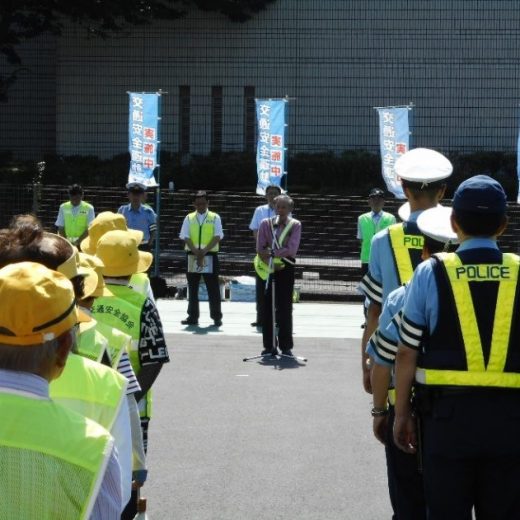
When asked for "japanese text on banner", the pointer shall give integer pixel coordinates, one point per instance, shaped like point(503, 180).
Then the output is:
point(143, 137)
point(270, 151)
point(394, 141)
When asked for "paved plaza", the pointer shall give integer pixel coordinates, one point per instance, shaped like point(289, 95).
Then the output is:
point(264, 440)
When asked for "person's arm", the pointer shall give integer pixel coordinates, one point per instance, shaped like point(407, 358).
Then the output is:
point(380, 381)
point(60, 222)
point(263, 246)
point(146, 378)
point(405, 435)
point(152, 217)
point(373, 312)
point(139, 471)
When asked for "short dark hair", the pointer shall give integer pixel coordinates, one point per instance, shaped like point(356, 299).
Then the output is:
point(477, 224)
point(201, 194)
point(434, 246)
point(75, 189)
point(418, 187)
point(273, 187)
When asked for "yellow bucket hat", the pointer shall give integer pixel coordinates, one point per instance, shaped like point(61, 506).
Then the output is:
point(94, 263)
point(37, 304)
point(104, 222)
point(119, 253)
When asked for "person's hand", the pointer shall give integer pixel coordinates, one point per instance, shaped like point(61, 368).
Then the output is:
point(200, 257)
point(265, 257)
point(405, 436)
point(379, 427)
point(365, 367)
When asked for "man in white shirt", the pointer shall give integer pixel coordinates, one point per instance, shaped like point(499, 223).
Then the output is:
point(202, 233)
point(261, 212)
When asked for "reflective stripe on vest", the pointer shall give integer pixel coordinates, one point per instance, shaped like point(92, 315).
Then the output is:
point(369, 229)
point(478, 374)
point(401, 244)
point(75, 225)
point(91, 343)
point(261, 268)
point(201, 234)
point(91, 389)
point(67, 451)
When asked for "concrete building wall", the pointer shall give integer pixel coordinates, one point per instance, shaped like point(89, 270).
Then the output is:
point(457, 61)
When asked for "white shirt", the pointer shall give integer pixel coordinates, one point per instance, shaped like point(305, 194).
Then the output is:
point(261, 212)
point(201, 217)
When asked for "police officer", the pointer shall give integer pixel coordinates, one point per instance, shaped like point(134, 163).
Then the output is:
point(397, 249)
point(404, 479)
point(139, 215)
point(459, 340)
point(372, 222)
point(74, 216)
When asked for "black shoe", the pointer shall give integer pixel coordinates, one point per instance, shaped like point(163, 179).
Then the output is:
point(217, 323)
point(270, 351)
point(256, 324)
point(287, 353)
point(189, 322)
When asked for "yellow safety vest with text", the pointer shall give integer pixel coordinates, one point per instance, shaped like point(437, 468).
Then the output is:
point(52, 460)
point(75, 225)
point(401, 245)
point(91, 389)
point(91, 343)
point(479, 373)
point(202, 234)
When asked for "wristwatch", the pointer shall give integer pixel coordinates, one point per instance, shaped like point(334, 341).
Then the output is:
point(379, 412)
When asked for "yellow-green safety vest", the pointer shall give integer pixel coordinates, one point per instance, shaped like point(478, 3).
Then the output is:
point(52, 460)
point(401, 245)
point(201, 234)
point(477, 373)
point(123, 311)
point(261, 268)
point(140, 283)
point(117, 342)
point(369, 229)
point(91, 343)
point(91, 389)
point(75, 225)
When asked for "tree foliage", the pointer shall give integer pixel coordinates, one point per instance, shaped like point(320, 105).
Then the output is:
point(22, 20)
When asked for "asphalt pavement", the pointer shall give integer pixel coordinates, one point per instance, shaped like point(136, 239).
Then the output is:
point(273, 439)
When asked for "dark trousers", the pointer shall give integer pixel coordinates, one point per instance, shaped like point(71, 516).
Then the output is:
point(260, 290)
point(364, 269)
point(284, 286)
point(471, 456)
point(212, 285)
point(405, 483)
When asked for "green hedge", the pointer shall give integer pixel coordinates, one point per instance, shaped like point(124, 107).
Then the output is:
point(349, 173)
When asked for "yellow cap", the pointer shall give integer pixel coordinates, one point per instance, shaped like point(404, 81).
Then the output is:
point(94, 263)
point(104, 222)
point(37, 304)
point(118, 251)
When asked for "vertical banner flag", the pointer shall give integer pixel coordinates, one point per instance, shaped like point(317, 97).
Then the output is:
point(394, 141)
point(271, 115)
point(143, 137)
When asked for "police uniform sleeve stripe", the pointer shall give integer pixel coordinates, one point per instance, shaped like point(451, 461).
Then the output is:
point(380, 354)
point(397, 319)
point(153, 227)
point(410, 334)
point(372, 289)
point(386, 348)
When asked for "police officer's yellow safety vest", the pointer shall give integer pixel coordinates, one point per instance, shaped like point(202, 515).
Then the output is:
point(53, 460)
point(91, 343)
point(75, 225)
point(369, 229)
point(201, 234)
point(91, 389)
point(402, 244)
point(261, 268)
point(478, 373)
point(123, 311)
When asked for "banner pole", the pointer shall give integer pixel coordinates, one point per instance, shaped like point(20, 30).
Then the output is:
point(157, 245)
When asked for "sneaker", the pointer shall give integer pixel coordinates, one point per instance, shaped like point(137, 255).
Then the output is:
point(266, 352)
point(256, 324)
point(189, 322)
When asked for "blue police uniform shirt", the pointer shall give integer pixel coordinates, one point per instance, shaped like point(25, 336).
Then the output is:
point(421, 306)
point(382, 278)
point(382, 346)
point(143, 219)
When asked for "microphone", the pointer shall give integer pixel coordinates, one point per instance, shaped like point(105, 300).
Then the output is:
point(276, 222)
